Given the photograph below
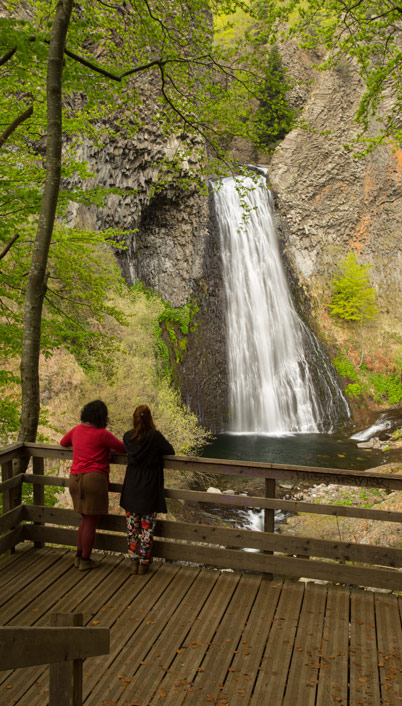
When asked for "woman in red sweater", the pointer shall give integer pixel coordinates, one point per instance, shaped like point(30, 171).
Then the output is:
point(89, 475)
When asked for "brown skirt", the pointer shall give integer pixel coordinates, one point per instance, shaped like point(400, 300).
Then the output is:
point(89, 492)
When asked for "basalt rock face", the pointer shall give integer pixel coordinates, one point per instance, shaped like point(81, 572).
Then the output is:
point(171, 246)
point(165, 228)
point(202, 376)
point(329, 201)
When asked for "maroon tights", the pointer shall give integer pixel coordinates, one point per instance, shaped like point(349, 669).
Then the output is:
point(86, 535)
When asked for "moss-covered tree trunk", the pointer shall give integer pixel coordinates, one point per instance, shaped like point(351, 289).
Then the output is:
point(36, 283)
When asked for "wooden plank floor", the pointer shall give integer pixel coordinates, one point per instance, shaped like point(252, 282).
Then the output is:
point(188, 636)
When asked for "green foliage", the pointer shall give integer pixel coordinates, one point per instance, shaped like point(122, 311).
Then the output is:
point(275, 117)
point(83, 278)
point(387, 387)
point(51, 492)
point(175, 321)
point(133, 379)
point(366, 33)
point(9, 405)
point(353, 390)
point(381, 387)
point(229, 29)
point(345, 368)
point(353, 298)
point(344, 501)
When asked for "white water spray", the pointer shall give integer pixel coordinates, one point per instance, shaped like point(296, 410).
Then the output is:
point(270, 384)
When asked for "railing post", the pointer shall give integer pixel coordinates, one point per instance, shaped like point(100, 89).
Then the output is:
point(65, 678)
point(19, 465)
point(269, 515)
point(8, 495)
point(38, 467)
point(12, 496)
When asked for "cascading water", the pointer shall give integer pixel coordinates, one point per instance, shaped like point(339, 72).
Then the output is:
point(272, 385)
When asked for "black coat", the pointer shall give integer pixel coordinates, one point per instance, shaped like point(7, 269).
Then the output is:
point(143, 490)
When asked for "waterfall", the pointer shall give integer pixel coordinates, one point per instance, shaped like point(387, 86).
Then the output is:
point(272, 385)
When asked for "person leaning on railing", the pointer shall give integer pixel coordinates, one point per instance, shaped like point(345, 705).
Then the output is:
point(89, 475)
point(143, 494)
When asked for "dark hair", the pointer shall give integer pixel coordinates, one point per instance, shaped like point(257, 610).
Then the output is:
point(95, 413)
point(142, 422)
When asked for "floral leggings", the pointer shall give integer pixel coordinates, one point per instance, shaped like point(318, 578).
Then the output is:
point(140, 535)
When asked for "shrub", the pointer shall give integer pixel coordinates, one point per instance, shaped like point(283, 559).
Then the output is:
point(353, 298)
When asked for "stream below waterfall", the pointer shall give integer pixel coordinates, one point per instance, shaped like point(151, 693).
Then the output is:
point(321, 450)
point(318, 450)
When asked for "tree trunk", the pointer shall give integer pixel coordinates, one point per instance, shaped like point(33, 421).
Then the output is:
point(36, 283)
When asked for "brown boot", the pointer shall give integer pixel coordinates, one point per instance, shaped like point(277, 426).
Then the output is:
point(143, 567)
point(134, 566)
point(88, 564)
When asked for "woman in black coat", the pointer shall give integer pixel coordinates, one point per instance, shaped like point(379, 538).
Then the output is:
point(143, 494)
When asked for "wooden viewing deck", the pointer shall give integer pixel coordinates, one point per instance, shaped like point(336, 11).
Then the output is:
point(185, 635)
point(191, 633)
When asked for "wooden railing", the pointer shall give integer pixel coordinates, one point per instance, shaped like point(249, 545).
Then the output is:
point(63, 646)
point(337, 561)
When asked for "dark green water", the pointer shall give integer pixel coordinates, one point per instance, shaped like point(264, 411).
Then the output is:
point(321, 450)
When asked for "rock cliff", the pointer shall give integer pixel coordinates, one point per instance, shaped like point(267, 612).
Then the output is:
point(171, 246)
point(328, 200)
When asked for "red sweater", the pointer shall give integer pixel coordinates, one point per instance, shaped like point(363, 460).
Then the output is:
point(91, 447)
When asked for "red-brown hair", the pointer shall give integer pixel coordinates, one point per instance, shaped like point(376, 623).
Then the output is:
point(142, 422)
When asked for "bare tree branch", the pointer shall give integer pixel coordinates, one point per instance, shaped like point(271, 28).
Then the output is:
point(8, 246)
point(63, 313)
point(156, 19)
point(13, 126)
point(112, 7)
point(108, 74)
point(7, 57)
point(195, 126)
point(87, 63)
point(144, 67)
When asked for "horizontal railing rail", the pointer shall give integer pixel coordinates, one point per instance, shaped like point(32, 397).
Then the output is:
point(345, 562)
point(30, 646)
point(254, 469)
point(64, 645)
